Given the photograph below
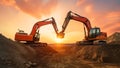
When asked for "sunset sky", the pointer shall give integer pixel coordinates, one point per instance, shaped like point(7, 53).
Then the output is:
point(23, 14)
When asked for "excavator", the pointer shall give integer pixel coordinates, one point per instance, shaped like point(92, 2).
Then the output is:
point(34, 37)
point(92, 35)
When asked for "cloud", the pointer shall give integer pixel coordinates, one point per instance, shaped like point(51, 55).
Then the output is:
point(112, 18)
point(116, 29)
point(80, 2)
point(85, 6)
point(101, 15)
point(109, 21)
point(7, 2)
point(114, 15)
point(88, 8)
point(36, 8)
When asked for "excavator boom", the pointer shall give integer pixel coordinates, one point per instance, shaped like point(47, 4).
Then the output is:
point(76, 17)
point(73, 16)
point(44, 22)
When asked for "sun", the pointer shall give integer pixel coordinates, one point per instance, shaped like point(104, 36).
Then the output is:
point(58, 40)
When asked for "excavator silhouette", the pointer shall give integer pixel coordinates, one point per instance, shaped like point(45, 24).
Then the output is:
point(34, 37)
point(93, 35)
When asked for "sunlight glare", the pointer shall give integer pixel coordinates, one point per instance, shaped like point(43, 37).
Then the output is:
point(58, 40)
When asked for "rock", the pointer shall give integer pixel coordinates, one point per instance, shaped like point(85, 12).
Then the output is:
point(30, 64)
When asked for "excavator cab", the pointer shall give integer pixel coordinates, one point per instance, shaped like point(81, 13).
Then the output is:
point(94, 32)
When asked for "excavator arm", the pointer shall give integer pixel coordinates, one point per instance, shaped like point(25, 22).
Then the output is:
point(76, 17)
point(44, 22)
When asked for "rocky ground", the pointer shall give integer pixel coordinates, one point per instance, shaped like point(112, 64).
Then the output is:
point(16, 55)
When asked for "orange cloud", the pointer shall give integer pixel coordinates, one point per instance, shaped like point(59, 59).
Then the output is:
point(112, 18)
point(80, 2)
point(36, 8)
point(113, 22)
point(108, 20)
point(88, 8)
point(7, 2)
point(113, 15)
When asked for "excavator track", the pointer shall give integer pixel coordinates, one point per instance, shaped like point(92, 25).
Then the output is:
point(84, 43)
point(91, 42)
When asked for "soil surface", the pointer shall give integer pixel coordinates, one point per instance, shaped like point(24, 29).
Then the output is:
point(16, 55)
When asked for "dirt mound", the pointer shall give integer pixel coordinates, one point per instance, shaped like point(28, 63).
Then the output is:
point(44, 55)
point(14, 55)
point(106, 53)
point(73, 56)
point(114, 38)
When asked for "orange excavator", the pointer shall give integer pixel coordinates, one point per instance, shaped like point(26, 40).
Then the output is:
point(34, 36)
point(92, 36)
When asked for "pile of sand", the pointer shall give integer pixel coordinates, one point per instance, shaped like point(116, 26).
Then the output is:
point(114, 38)
point(14, 55)
point(106, 53)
